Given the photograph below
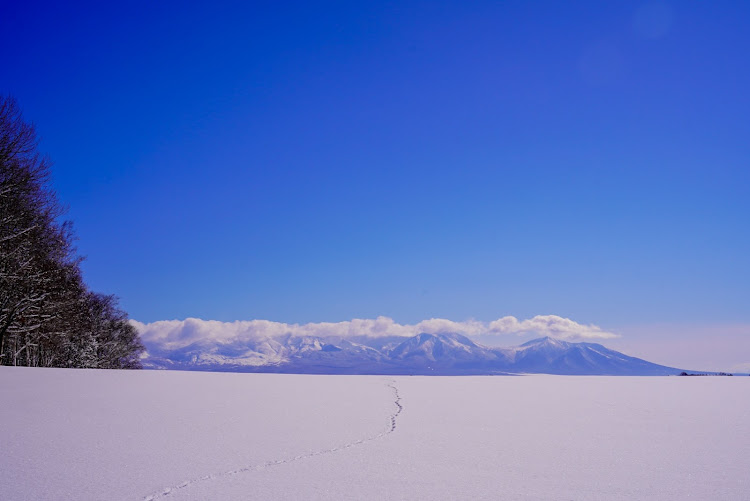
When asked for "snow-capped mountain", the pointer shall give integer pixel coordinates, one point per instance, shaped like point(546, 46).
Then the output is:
point(437, 348)
point(420, 354)
point(553, 356)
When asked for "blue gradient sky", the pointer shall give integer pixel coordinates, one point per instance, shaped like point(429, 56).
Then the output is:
point(322, 162)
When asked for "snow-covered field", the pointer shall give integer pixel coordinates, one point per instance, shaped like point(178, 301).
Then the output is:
point(111, 435)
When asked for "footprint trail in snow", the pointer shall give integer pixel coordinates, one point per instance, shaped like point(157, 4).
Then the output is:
point(268, 464)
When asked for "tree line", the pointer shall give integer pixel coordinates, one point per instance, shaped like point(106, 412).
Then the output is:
point(48, 316)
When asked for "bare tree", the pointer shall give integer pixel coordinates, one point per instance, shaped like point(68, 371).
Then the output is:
point(47, 315)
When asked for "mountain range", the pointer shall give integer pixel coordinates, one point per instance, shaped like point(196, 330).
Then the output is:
point(438, 354)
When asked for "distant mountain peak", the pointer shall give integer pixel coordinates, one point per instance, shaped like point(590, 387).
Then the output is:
point(547, 341)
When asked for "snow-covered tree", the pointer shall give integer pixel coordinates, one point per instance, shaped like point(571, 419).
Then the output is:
point(47, 315)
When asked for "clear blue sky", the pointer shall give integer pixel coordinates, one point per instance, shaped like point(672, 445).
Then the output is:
point(327, 161)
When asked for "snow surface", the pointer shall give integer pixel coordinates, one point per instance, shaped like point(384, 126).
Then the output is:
point(137, 435)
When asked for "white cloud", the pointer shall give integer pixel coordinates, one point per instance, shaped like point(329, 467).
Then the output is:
point(174, 334)
point(549, 325)
point(440, 325)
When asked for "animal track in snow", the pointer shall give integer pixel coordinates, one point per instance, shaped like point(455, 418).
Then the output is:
point(268, 464)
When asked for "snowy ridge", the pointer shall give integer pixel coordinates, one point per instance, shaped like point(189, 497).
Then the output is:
point(392, 418)
point(445, 353)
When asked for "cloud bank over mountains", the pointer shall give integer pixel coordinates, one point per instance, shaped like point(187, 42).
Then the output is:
point(174, 334)
point(383, 346)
